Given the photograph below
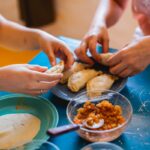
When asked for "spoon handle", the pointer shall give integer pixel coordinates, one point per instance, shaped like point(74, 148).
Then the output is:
point(63, 129)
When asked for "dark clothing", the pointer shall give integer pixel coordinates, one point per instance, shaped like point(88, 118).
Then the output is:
point(37, 12)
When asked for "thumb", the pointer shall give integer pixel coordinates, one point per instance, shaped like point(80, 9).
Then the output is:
point(38, 68)
point(105, 46)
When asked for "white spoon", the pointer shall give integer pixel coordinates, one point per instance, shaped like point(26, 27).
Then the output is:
point(72, 127)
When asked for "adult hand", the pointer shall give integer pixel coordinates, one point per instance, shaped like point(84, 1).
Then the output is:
point(27, 79)
point(53, 47)
point(132, 59)
point(92, 38)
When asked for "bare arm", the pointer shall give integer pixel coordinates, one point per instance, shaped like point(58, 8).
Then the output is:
point(15, 36)
point(109, 12)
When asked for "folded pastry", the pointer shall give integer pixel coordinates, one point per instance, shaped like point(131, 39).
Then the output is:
point(77, 66)
point(79, 79)
point(105, 57)
point(102, 82)
point(57, 68)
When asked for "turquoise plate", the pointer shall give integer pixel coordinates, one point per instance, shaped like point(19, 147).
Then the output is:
point(38, 106)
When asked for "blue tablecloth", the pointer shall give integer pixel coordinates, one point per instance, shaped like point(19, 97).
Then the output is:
point(137, 90)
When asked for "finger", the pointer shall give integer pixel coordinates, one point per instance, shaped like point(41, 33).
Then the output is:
point(48, 77)
point(70, 59)
point(46, 85)
point(81, 53)
point(105, 46)
point(118, 68)
point(51, 56)
point(37, 68)
point(114, 60)
point(32, 93)
point(92, 47)
point(125, 73)
point(37, 93)
point(42, 87)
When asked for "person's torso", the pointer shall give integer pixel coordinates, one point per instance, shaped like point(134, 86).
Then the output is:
point(141, 11)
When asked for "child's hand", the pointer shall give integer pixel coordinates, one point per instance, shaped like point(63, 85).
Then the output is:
point(55, 48)
point(27, 79)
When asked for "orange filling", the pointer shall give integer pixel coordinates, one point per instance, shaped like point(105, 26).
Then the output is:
point(92, 113)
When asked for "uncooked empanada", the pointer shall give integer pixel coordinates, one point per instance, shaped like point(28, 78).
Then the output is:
point(79, 79)
point(104, 58)
point(56, 69)
point(102, 82)
point(77, 66)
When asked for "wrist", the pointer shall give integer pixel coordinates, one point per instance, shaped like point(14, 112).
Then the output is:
point(42, 37)
point(36, 34)
point(97, 27)
point(148, 41)
point(98, 23)
point(145, 44)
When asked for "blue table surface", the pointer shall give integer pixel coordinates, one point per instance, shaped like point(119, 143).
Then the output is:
point(137, 90)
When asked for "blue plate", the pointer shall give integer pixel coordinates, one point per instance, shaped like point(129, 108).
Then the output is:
point(62, 91)
point(38, 106)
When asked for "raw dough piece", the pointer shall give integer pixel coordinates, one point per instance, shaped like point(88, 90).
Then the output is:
point(17, 129)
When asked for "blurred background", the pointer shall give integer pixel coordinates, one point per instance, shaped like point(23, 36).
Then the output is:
point(69, 18)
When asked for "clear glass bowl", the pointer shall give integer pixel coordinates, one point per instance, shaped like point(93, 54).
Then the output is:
point(102, 146)
point(104, 135)
point(38, 145)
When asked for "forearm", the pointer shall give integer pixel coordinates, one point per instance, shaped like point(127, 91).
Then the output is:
point(4, 75)
point(108, 12)
point(15, 36)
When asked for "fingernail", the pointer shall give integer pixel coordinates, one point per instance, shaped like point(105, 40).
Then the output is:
point(61, 75)
point(53, 63)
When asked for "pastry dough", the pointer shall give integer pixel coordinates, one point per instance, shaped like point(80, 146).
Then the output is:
point(56, 69)
point(79, 79)
point(77, 66)
point(17, 129)
point(96, 85)
point(104, 58)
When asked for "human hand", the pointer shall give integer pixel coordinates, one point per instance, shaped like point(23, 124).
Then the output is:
point(53, 47)
point(92, 38)
point(132, 59)
point(27, 79)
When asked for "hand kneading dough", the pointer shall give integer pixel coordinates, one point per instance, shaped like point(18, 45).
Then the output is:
point(102, 82)
point(79, 79)
point(57, 68)
point(17, 129)
point(77, 66)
